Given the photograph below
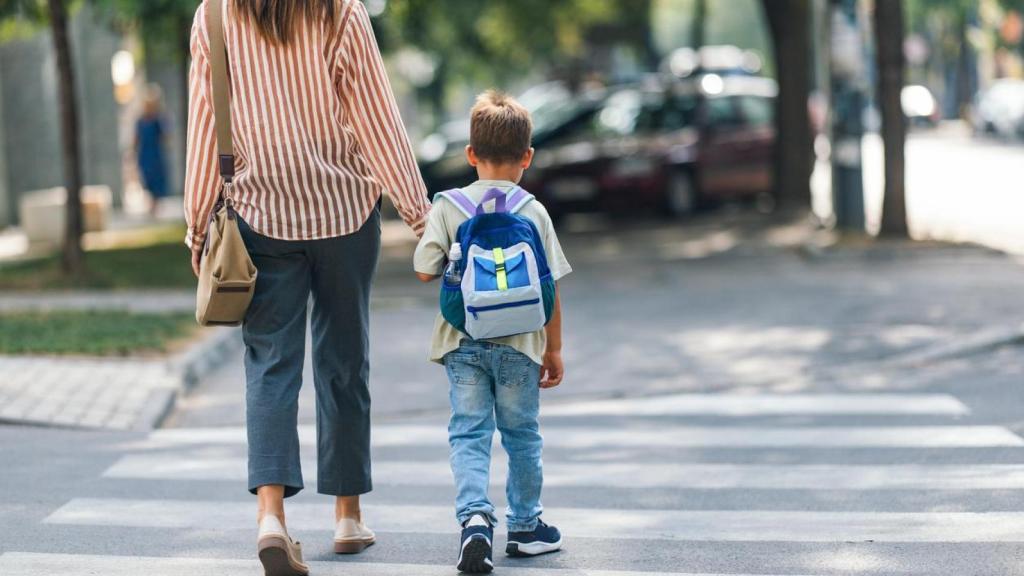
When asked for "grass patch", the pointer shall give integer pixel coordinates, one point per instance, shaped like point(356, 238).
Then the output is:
point(94, 333)
point(140, 260)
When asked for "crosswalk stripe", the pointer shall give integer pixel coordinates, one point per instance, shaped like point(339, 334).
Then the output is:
point(622, 475)
point(661, 437)
point(765, 404)
point(34, 564)
point(690, 525)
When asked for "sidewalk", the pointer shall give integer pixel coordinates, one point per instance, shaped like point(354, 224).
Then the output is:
point(116, 393)
point(154, 301)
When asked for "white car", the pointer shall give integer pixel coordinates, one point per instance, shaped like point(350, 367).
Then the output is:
point(1000, 109)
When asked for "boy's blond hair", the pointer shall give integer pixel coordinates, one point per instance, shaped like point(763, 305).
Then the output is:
point(499, 128)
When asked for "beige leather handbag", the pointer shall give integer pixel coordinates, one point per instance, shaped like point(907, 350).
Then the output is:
point(227, 275)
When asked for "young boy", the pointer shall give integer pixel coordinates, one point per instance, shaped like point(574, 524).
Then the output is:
point(496, 382)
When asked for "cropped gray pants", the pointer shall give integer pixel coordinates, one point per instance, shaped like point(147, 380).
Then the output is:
point(338, 272)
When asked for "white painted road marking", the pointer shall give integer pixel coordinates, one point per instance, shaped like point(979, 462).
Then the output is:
point(665, 436)
point(765, 404)
point(31, 564)
point(690, 525)
point(185, 466)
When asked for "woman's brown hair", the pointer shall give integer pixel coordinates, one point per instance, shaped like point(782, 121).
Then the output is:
point(277, 19)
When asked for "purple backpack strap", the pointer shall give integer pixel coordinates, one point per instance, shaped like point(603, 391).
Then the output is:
point(460, 200)
point(518, 198)
point(498, 196)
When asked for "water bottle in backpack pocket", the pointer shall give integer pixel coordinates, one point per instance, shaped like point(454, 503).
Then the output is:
point(505, 286)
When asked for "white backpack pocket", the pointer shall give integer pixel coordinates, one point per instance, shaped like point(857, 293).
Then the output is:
point(502, 292)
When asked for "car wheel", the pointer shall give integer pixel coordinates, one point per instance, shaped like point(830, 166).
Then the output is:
point(681, 195)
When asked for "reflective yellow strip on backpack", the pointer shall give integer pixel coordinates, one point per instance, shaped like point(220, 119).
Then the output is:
point(499, 268)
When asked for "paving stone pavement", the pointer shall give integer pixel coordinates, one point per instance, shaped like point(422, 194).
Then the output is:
point(115, 393)
point(89, 392)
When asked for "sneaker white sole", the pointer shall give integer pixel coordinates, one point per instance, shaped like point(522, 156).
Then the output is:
point(532, 548)
point(473, 556)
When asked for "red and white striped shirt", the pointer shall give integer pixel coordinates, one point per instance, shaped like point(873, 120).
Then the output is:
point(317, 133)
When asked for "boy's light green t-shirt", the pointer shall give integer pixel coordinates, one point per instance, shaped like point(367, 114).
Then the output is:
point(432, 252)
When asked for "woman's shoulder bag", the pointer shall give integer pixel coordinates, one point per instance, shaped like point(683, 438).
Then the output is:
point(227, 275)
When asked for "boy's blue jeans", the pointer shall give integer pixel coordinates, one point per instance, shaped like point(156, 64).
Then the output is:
point(494, 385)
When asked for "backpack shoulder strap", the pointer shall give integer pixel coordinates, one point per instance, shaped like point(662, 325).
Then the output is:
point(517, 198)
point(460, 200)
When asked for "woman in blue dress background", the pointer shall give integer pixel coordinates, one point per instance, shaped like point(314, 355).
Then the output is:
point(149, 147)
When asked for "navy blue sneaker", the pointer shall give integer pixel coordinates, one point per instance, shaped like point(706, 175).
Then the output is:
point(475, 553)
point(541, 540)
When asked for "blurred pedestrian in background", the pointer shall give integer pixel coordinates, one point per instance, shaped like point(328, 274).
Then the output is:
point(149, 147)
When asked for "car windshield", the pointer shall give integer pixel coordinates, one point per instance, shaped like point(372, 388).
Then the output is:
point(555, 113)
point(674, 113)
point(635, 112)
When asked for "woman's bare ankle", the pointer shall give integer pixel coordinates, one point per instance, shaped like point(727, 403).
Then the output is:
point(270, 500)
point(347, 507)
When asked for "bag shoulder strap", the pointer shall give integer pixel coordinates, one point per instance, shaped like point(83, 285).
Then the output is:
point(511, 202)
point(221, 89)
point(457, 197)
point(517, 199)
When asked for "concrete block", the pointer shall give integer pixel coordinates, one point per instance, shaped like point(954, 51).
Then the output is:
point(42, 212)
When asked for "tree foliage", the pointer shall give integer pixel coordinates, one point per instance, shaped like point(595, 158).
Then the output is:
point(21, 18)
point(164, 25)
point(500, 39)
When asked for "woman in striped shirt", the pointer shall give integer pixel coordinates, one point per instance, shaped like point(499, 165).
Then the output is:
point(318, 138)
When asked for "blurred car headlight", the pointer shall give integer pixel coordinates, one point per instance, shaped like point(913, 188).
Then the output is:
point(917, 101)
point(712, 84)
point(433, 147)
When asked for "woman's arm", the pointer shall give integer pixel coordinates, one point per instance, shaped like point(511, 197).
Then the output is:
point(363, 86)
point(201, 178)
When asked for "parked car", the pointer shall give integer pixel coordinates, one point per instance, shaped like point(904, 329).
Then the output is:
point(999, 110)
point(669, 148)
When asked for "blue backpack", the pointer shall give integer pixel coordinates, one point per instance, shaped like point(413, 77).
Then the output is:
point(506, 287)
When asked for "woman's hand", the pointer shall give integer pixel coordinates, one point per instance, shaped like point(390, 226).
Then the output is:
point(197, 258)
point(552, 370)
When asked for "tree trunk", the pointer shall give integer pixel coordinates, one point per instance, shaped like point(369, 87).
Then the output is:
point(889, 54)
point(699, 25)
point(73, 259)
point(651, 57)
point(789, 23)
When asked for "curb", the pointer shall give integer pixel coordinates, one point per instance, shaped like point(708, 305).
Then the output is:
point(982, 342)
point(972, 345)
point(186, 370)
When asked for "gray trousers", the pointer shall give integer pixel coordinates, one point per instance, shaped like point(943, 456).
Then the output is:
point(338, 272)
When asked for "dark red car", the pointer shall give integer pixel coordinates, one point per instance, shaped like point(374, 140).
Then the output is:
point(668, 148)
